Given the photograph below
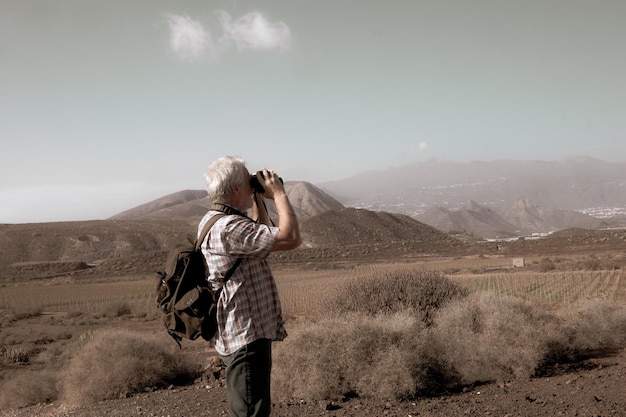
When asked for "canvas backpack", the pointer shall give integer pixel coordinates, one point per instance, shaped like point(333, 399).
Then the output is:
point(184, 296)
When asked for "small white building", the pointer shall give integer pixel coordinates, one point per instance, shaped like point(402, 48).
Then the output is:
point(518, 263)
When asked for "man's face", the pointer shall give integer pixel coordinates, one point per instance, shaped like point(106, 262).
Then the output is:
point(244, 194)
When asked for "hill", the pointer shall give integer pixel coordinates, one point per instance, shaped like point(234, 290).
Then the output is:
point(359, 226)
point(307, 200)
point(116, 247)
point(36, 250)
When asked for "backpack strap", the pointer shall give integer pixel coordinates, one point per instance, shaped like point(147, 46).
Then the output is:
point(205, 231)
point(206, 228)
point(226, 209)
point(217, 207)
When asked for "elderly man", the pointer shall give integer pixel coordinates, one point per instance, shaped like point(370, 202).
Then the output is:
point(249, 313)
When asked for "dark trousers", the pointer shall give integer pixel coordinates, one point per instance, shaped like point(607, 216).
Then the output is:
point(248, 379)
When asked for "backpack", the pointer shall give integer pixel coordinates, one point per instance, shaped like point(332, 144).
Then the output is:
point(184, 296)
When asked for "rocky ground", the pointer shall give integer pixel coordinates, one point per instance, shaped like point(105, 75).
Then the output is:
point(595, 387)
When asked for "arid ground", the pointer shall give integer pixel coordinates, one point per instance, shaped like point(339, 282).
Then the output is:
point(593, 386)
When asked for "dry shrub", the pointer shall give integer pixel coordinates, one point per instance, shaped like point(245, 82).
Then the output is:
point(473, 339)
point(546, 265)
point(357, 354)
point(73, 314)
point(423, 291)
point(116, 309)
point(77, 343)
point(591, 327)
point(117, 363)
point(486, 338)
point(595, 325)
point(370, 341)
point(17, 355)
point(25, 312)
point(26, 388)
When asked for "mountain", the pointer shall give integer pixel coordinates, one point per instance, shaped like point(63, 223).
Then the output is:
point(575, 183)
point(306, 199)
point(528, 216)
point(182, 204)
point(472, 219)
point(523, 218)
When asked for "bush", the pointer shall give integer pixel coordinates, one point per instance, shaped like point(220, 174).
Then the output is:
point(511, 338)
point(28, 388)
point(592, 264)
point(354, 355)
point(370, 342)
point(595, 325)
point(17, 355)
point(475, 339)
point(485, 338)
point(25, 313)
point(422, 291)
point(546, 265)
point(116, 309)
point(117, 363)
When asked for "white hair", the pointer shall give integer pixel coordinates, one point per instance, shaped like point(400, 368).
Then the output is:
point(222, 174)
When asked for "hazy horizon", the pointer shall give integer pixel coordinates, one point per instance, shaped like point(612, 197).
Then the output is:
point(108, 105)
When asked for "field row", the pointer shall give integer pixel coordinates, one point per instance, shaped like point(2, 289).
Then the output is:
point(303, 293)
point(72, 297)
point(553, 287)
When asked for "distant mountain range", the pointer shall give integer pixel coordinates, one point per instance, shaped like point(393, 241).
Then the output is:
point(576, 183)
point(524, 218)
point(495, 199)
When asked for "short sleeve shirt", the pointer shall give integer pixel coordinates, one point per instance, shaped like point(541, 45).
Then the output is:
point(248, 307)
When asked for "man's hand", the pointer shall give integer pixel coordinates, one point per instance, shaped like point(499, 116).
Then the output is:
point(271, 183)
point(289, 231)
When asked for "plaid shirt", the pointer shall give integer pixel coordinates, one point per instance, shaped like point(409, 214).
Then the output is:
point(249, 307)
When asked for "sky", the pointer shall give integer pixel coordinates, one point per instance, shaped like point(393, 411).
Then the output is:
point(105, 105)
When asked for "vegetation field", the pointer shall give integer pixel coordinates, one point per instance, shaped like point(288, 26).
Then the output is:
point(558, 288)
point(303, 292)
point(90, 297)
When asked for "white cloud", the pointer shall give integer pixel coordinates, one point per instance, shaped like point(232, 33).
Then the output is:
point(254, 31)
point(190, 41)
point(422, 146)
